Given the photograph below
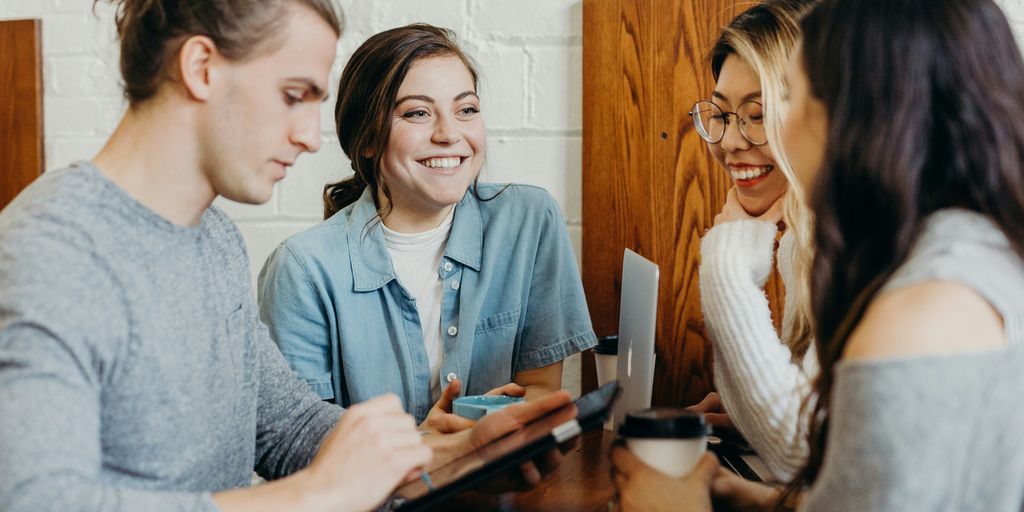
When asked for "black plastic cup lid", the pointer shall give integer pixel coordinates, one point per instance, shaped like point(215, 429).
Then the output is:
point(607, 345)
point(664, 423)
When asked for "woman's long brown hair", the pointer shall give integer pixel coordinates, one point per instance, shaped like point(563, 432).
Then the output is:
point(924, 112)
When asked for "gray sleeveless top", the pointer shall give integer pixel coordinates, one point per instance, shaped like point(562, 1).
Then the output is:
point(938, 432)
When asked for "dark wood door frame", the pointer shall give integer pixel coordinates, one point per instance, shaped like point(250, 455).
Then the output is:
point(21, 106)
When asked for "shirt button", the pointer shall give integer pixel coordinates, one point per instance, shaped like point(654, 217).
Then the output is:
point(452, 331)
point(447, 266)
point(455, 285)
point(451, 376)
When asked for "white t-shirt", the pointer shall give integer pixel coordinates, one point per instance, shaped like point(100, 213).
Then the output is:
point(416, 258)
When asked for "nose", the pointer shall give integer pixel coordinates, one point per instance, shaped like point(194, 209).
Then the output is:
point(445, 131)
point(733, 140)
point(305, 131)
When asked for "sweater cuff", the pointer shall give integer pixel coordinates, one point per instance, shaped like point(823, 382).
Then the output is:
point(742, 247)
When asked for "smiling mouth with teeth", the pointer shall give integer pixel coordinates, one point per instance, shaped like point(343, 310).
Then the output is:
point(750, 173)
point(442, 163)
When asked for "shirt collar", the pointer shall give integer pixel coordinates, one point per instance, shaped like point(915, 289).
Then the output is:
point(371, 263)
point(466, 242)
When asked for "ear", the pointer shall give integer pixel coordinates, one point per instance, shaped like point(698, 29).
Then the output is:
point(195, 60)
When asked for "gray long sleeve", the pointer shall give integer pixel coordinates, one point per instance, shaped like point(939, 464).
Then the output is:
point(134, 372)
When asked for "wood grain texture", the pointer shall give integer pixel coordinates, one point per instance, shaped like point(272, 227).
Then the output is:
point(21, 106)
point(649, 181)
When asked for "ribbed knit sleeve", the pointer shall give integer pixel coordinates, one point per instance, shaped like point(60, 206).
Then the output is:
point(762, 389)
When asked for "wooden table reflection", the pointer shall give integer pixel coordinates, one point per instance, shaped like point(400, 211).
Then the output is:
point(581, 483)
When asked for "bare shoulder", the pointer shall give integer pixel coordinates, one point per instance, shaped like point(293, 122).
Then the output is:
point(930, 318)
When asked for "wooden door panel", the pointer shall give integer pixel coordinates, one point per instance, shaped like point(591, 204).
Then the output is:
point(21, 106)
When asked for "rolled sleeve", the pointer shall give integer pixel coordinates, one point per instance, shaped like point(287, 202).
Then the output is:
point(557, 322)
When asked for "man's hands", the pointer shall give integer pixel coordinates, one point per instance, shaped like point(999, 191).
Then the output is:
point(371, 450)
point(440, 419)
point(508, 421)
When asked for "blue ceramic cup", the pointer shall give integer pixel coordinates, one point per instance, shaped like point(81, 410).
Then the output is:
point(476, 407)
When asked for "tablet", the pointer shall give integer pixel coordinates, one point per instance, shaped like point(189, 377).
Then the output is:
point(507, 453)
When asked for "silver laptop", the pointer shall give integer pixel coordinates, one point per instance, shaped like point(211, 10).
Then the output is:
point(638, 310)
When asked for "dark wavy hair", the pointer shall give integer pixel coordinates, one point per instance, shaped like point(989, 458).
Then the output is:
point(366, 100)
point(925, 108)
point(152, 31)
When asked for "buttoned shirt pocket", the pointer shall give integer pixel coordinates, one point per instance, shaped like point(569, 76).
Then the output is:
point(495, 339)
point(499, 322)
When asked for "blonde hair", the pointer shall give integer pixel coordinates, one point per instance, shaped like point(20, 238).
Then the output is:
point(763, 37)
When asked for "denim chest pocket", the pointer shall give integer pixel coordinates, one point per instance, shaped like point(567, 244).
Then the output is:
point(499, 322)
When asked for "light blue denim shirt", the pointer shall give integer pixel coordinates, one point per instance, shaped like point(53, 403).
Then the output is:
point(348, 327)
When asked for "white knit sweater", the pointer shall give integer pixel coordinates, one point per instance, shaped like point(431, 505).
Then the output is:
point(761, 387)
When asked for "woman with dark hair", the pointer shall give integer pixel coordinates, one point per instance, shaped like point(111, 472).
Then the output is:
point(421, 279)
point(905, 125)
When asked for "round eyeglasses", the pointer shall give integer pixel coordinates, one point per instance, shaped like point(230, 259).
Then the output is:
point(711, 121)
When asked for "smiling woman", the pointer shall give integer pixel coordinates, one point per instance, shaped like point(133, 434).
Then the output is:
point(422, 281)
point(761, 374)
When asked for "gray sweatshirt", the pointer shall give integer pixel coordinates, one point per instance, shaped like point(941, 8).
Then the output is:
point(937, 432)
point(134, 371)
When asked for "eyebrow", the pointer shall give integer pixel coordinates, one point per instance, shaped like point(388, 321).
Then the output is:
point(428, 99)
point(755, 94)
point(315, 90)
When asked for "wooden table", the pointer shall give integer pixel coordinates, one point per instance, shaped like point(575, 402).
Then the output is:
point(581, 483)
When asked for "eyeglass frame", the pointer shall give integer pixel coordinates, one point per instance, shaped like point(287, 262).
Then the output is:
point(726, 114)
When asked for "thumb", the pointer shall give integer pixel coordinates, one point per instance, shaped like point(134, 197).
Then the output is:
point(706, 469)
point(450, 393)
point(450, 423)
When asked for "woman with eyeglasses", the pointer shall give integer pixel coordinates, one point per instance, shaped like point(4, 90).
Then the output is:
point(912, 150)
point(762, 378)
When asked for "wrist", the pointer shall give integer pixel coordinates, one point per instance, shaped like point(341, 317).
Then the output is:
point(311, 493)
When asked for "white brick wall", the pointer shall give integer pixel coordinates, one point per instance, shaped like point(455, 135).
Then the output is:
point(528, 52)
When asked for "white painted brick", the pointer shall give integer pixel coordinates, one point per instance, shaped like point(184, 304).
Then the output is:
point(503, 84)
point(556, 88)
point(78, 76)
point(450, 14)
point(78, 34)
point(327, 114)
point(111, 109)
point(576, 237)
point(525, 19)
point(80, 6)
point(302, 191)
point(261, 239)
point(71, 117)
point(571, 379)
point(522, 48)
point(20, 9)
point(553, 164)
point(63, 152)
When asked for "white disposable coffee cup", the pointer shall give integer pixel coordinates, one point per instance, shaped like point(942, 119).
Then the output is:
point(667, 439)
point(606, 358)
